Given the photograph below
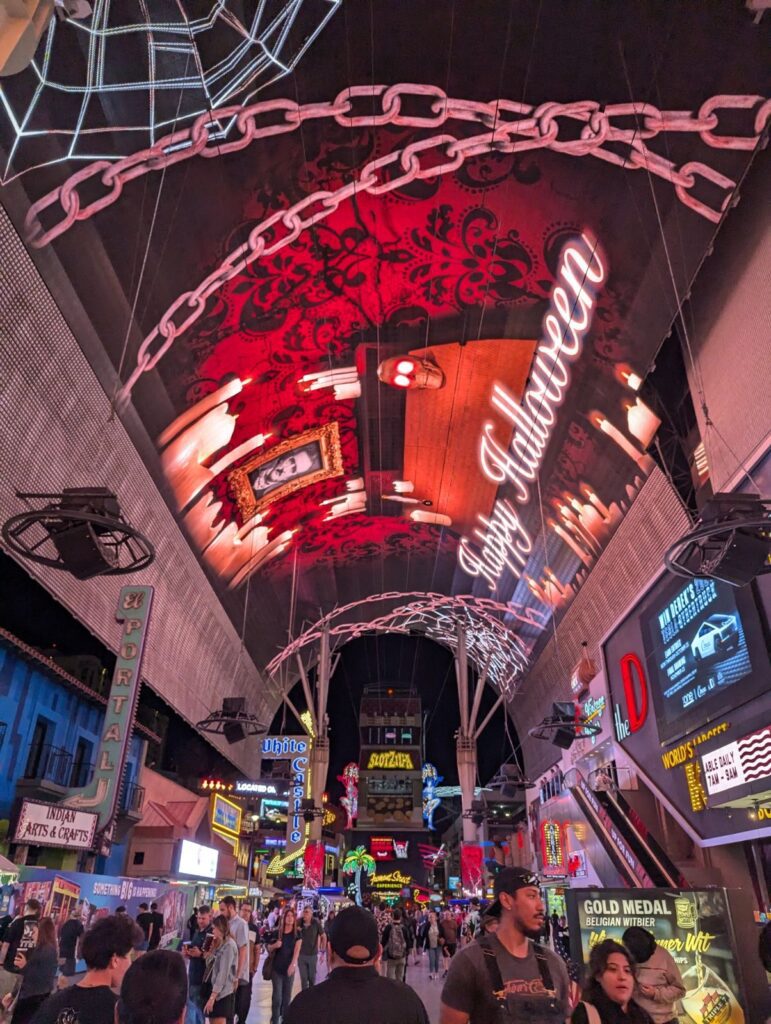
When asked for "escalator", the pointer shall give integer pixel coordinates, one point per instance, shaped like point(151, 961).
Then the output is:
point(635, 853)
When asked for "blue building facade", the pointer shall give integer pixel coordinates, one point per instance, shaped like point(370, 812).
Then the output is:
point(49, 729)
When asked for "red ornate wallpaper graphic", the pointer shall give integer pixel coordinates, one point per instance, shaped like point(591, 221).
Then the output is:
point(450, 259)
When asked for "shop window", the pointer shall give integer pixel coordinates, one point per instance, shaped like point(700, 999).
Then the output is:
point(139, 857)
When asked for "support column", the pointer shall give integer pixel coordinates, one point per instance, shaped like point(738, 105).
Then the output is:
point(319, 770)
point(320, 749)
point(465, 747)
point(466, 753)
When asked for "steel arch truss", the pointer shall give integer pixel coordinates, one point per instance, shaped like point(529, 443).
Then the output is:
point(492, 646)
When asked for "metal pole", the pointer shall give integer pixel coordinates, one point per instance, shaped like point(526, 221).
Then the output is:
point(488, 716)
point(478, 694)
point(308, 695)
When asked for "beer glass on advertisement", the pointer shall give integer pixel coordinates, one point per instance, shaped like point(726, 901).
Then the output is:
point(710, 1001)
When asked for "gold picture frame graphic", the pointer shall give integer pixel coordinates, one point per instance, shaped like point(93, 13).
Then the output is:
point(312, 456)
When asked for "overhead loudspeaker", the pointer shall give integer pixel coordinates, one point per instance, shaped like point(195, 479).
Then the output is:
point(82, 552)
point(234, 731)
point(564, 711)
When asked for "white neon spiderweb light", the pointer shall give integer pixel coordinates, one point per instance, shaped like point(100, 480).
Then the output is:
point(126, 92)
point(491, 642)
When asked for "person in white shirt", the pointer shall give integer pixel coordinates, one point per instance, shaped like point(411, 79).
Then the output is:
point(239, 931)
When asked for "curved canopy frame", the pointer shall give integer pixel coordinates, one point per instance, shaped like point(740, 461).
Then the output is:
point(491, 644)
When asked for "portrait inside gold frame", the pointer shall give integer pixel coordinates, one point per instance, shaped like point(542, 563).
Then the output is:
point(287, 467)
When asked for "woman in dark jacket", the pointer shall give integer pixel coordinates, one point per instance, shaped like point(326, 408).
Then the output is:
point(607, 996)
point(285, 946)
point(38, 969)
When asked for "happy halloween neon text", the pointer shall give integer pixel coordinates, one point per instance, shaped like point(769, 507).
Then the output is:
point(502, 540)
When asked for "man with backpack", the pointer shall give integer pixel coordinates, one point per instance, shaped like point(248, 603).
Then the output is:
point(395, 947)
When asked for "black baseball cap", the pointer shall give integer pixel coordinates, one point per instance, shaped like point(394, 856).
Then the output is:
point(354, 926)
point(510, 880)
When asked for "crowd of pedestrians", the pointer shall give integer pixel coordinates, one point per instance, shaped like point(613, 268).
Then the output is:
point(493, 962)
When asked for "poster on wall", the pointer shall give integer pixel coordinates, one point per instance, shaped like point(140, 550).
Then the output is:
point(696, 648)
point(471, 868)
point(313, 866)
point(97, 896)
point(693, 925)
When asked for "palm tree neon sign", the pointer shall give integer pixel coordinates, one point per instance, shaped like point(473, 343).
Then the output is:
point(359, 860)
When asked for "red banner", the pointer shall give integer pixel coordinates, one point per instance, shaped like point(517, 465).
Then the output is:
point(471, 868)
point(313, 859)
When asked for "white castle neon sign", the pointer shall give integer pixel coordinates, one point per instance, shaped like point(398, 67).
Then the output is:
point(502, 540)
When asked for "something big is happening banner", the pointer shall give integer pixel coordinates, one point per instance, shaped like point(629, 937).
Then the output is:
point(694, 926)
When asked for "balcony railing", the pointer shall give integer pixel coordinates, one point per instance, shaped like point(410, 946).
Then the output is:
point(132, 799)
point(51, 764)
point(81, 775)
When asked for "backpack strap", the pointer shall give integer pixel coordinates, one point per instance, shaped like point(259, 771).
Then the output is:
point(592, 1013)
point(543, 966)
point(493, 972)
point(496, 979)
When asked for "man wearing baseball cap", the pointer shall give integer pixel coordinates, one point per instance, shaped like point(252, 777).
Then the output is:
point(354, 992)
point(508, 977)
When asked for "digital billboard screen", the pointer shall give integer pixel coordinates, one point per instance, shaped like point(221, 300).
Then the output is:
point(197, 860)
point(382, 848)
point(696, 649)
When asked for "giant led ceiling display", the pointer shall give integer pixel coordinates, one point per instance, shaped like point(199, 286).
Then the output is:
point(401, 309)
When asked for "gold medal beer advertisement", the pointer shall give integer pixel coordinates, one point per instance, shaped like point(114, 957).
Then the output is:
point(694, 925)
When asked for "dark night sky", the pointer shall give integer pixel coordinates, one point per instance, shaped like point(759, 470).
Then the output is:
point(425, 668)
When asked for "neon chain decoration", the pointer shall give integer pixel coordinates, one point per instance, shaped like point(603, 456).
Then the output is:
point(101, 795)
point(529, 128)
point(505, 541)
point(508, 128)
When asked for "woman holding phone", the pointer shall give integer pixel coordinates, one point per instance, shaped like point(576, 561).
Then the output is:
point(221, 977)
point(37, 967)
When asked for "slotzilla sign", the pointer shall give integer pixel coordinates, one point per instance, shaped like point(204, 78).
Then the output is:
point(53, 825)
point(297, 750)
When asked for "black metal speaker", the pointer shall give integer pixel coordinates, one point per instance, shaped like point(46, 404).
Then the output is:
point(563, 711)
point(232, 721)
point(80, 530)
point(731, 542)
point(233, 732)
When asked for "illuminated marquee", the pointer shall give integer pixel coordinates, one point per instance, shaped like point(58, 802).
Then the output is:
point(594, 709)
point(551, 845)
point(100, 797)
point(637, 710)
point(391, 759)
point(505, 540)
point(393, 880)
point(226, 820)
point(295, 749)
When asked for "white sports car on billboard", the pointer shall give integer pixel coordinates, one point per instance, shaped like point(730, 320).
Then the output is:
point(716, 635)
